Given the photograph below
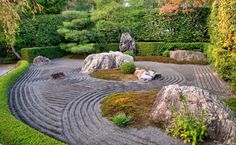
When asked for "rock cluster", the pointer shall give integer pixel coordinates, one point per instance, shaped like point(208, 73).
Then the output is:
point(220, 119)
point(40, 60)
point(184, 55)
point(103, 61)
point(144, 75)
point(127, 43)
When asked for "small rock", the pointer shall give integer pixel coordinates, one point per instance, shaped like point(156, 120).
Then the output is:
point(184, 55)
point(127, 43)
point(40, 60)
point(56, 76)
point(144, 75)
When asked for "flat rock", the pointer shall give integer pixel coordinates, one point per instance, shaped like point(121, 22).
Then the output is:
point(103, 61)
point(220, 119)
point(184, 55)
point(40, 60)
point(127, 43)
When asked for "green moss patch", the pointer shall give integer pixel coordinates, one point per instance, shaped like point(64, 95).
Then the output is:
point(113, 74)
point(163, 59)
point(138, 105)
point(231, 103)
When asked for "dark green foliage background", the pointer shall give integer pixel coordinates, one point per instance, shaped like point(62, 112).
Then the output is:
point(52, 6)
point(39, 31)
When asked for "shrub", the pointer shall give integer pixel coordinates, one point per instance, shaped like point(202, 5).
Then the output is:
point(224, 61)
point(190, 127)
point(130, 53)
point(128, 68)
point(166, 53)
point(51, 52)
point(13, 131)
point(40, 31)
point(121, 120)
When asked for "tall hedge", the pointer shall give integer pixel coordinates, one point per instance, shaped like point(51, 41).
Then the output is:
point(51, 52)
point(222, 30)
point(39, 31)
point(222, 23)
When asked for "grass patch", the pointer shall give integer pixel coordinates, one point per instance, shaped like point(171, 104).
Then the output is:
point(163, 59)
point(113, 74)
point(231, 103)
point(13, 131)
point(137, 105)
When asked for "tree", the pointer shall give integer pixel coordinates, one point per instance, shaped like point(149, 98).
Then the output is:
point(53, 6)
point(77, 30)
point(186, 6)
point(11, 12)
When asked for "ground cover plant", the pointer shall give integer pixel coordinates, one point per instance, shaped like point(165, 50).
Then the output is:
point(113, 74)
point(135, 104)
point(121, 119)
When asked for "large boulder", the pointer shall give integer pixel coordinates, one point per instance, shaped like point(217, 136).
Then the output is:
point(103, 61)
point(221, 123)
point(184, 55)
point(40, 60)
point(127, 43)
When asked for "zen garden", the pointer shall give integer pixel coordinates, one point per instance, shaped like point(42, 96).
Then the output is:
point(118, 72)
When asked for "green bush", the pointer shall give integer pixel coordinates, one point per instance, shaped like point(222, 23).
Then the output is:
point(13, 131)
point(186, 125)
point(166, 53)
point(128, 68)
point(51, 52)
point(121, 120)
point(224, 61)
point(130, 53)
point(40, 31)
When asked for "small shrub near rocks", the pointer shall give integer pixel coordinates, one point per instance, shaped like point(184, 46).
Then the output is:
point(166, 53)
point(121, 119)
point(131, 53)
point(187, 126)
point(128, 68)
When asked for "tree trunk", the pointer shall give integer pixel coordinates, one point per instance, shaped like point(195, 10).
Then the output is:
point(15, 52)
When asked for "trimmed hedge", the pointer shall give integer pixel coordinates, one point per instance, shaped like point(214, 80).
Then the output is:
point(157, 48)
point(224, 61)
point(51, 52)
point(13, 131)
